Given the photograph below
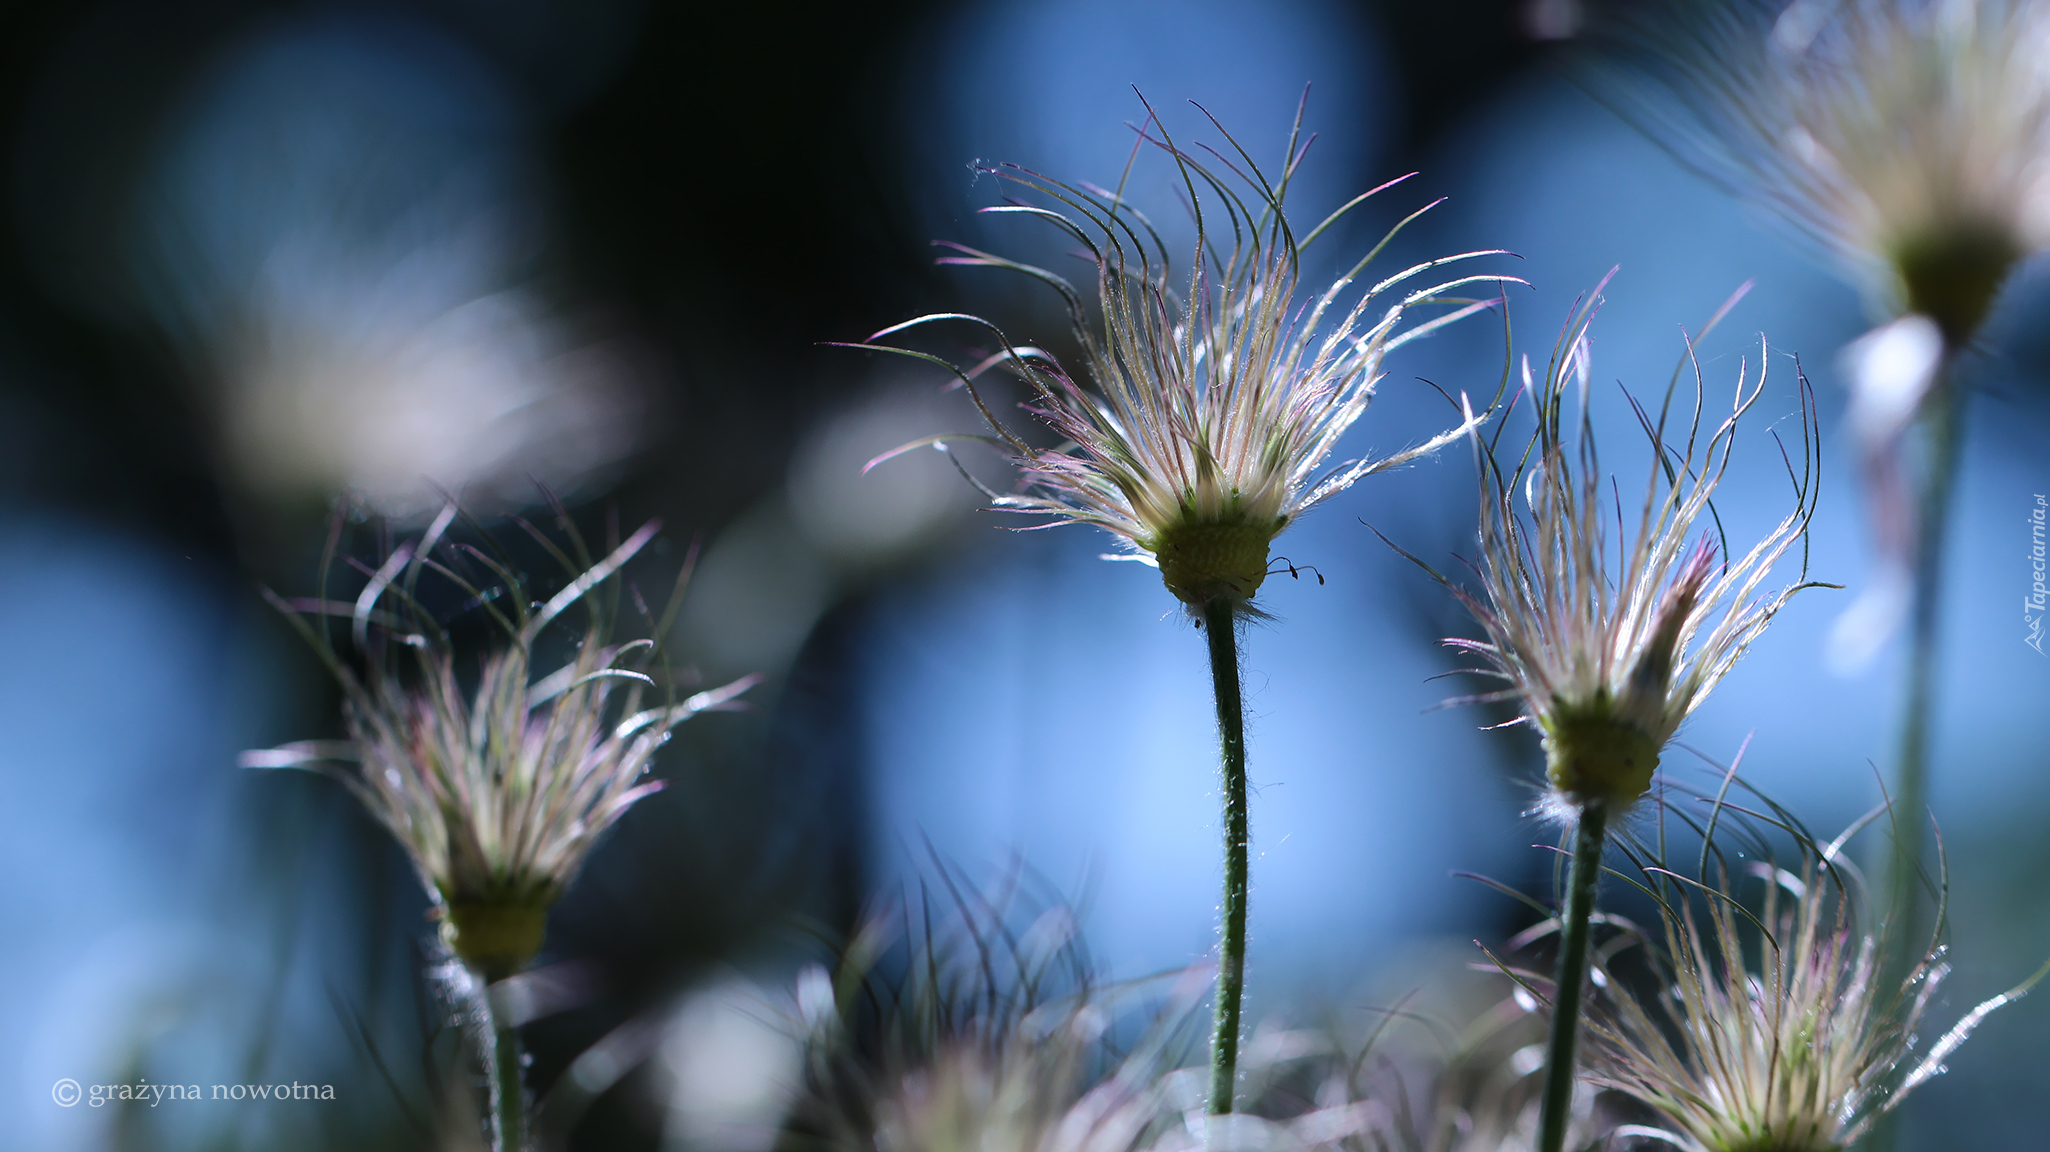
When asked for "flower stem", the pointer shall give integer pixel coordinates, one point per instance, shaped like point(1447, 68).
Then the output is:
point(1898, 898)
point(508, 1090)
point(1220, 624)
point(1574, 930)
point(1902, 876)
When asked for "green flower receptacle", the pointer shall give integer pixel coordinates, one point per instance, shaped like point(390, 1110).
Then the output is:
point(1201, 563)
point(497, 938)
point(1952, 278)
point(1599, 757)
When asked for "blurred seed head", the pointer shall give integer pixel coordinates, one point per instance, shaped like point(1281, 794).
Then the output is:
point(973, 1022)
point(1911, 137)
point(1213, 396)
point(732, 1068)
point(343, 232)
point(1610, 633)
point(394, 399)
point(1473, 1088)
point(1031, 1095)
point(970, 1017)
point(498, 787)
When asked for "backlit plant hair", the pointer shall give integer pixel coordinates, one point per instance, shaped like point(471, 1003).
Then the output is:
point(1770, 1026)
point(1210, 403)
point(1911, 138)
point(497, 787)
point(1609, 635)
point(970, 1016)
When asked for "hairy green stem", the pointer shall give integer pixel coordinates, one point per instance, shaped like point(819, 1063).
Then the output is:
point(1574, 929)
point(508, 1089)
point(1221, 626)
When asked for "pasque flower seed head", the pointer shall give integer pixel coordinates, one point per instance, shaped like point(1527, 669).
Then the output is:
point(1911, 137)
point(497, 790)
point(1213, 395)
point(1608, 634)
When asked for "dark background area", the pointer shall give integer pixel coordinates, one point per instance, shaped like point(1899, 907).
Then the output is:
point(725, 181)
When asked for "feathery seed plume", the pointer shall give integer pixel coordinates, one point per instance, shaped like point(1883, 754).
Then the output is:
point(497, 790)
point(1801, 1049)
point(1212, 397)
point(1911, 137)
point(1609, 635)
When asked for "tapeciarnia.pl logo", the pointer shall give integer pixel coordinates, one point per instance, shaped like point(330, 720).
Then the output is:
point(2034, 604)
